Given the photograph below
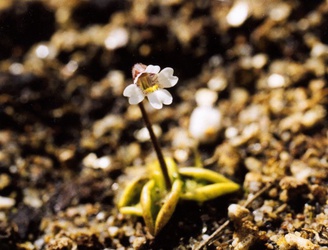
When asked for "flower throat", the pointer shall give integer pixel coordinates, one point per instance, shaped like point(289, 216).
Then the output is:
point(148, 83)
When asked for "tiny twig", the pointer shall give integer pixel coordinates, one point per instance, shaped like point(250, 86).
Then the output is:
point(157, 148)
point(211, 238)
point(258, 194)
point(210, 161)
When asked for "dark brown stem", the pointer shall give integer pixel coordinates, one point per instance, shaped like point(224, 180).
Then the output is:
point(157, 148)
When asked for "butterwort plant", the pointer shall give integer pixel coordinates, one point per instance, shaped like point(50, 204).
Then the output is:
point(150, 81)
point(155, 195)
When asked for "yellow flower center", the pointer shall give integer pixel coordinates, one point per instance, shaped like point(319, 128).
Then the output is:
point(148, 83)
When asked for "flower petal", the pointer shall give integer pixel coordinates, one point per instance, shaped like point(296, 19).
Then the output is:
point(166, 78)
point(134, 93)
point(137, 69)
point(154, 101)
point(160, 97)
point(154, 69)
point(164, 96)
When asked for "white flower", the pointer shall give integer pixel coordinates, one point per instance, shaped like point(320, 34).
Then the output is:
point(150, 81)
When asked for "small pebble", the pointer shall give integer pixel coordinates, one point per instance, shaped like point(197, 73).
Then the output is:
point(6, 202)
point(113, 231)
point(205, 97)
point(217, 83)
point(117, 38)
point(238, 13)
point(205, 122)
point(276, 81)
point(142, 135)
point(295, 240)
point(92, 161)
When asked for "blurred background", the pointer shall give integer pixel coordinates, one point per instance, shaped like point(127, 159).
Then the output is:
point(67, 134)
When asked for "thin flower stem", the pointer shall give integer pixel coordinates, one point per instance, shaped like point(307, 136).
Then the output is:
point(157, 148)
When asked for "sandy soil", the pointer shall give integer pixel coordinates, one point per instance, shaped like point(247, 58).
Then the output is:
point(69, 140)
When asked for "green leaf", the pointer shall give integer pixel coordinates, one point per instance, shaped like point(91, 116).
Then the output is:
point(203, 184)
point(155, 171)
point(148, 197)
point(202, 173)
point(209, 192)
point(170, 202)
point(158, 205)
point(131, 197)
point(133, 210)
point(149, 201)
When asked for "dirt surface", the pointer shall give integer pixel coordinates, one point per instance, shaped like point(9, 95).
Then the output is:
point(69, 141)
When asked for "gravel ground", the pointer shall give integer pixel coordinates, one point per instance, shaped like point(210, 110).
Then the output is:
point(70, 141)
